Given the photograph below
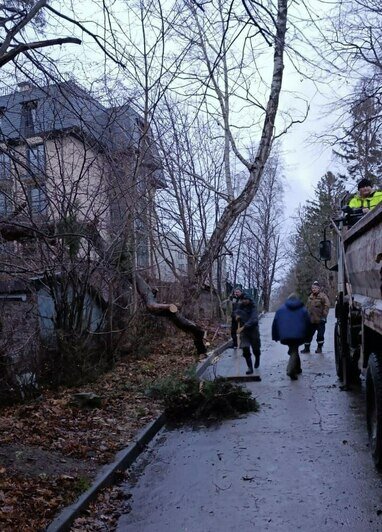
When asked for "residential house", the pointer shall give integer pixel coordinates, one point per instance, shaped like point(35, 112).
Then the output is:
point(72, 170)
point(171, 258)
point(173, 261)
point(174, 264)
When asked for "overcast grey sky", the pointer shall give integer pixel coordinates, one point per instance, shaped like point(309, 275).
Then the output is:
point(307, 157)
point(305, 162)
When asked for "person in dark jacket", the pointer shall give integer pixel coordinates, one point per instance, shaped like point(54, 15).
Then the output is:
point(318, 309)
point(291, 326)
point(248, 320)
point(236, 298)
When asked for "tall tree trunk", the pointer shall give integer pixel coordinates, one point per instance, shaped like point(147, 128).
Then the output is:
point(239, 204)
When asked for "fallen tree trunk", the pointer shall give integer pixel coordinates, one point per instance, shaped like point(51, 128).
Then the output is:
point(171, 312)
point(168, 310)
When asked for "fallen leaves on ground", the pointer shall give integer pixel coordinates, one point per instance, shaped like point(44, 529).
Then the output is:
point(50, 450)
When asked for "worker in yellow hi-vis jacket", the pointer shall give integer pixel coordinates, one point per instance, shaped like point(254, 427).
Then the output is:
point(367, 198)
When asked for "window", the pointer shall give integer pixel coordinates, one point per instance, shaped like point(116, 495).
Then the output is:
point(36, 159)
point(5, 166)
point(142, 242)
point(33, 113)
point(38, 200)
point(28, 117)
point(141, 185)
point(6, 248)
point(4, 204)
point(2, 116)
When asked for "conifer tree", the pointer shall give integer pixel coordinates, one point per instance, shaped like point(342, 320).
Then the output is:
point(313, 217)
point(361, 149)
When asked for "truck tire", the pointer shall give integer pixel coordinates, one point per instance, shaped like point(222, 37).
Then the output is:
point(337, 353)
point(374, 406)
point(346, 368)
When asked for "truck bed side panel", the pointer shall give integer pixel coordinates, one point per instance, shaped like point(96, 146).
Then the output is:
point(363, 252)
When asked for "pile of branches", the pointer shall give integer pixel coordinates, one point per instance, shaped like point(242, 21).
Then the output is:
point(189, 399)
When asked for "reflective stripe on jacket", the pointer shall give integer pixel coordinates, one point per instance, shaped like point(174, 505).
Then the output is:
point(366, 203)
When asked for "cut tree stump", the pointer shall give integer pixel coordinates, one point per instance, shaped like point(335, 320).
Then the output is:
point(86, 400)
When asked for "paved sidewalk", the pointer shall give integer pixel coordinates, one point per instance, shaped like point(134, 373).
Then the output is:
point(231, 364)
point(125, 458)
point(301, 463)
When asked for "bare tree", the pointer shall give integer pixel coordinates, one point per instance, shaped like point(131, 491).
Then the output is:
point(260, 252)
point(234, 207)
point(217, 48)
point(213, 80)
point(16, 18)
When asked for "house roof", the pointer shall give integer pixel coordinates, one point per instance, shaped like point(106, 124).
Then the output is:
point(67, 107)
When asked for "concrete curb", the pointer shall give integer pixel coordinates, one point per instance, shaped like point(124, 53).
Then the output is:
point(123, 460)
point(207, 362)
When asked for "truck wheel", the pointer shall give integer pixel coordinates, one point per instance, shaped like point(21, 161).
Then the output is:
point(346, 367)
point(374, 406)
point(337, 353)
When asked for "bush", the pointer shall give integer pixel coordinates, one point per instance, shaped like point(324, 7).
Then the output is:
point(189, 398)
point(75, 360)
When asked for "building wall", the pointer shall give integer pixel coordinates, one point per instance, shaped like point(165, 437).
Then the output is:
point(19, 324)
point(171, 261)
point(19, 346)
point(80, 178)
point(75, 176)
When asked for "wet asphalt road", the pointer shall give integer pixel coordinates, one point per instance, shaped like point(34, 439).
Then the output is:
point(301, 463)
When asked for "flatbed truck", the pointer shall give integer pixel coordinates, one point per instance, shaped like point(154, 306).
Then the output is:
point(358, 311)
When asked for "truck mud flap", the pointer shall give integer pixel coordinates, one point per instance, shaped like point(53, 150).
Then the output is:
point(374, 406)
point(337, 352)
point(346, 368)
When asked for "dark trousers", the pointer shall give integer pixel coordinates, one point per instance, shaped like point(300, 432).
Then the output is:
point(253, 338)
point(234, 326)
point(248, 358)
point(320, 329)
point(294, 364)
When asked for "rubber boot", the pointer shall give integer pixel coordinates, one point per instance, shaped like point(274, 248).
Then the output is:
point(248, 359)
point(298, 365)
point(257, 360)
point(306, 349)
point(293, 365)
point(319, 349)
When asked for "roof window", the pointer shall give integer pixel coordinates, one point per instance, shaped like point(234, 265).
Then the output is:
point(28, 117)
point(2, 116)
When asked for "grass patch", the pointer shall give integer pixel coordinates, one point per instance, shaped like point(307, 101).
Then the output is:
point(81, 485)
point(189, 399)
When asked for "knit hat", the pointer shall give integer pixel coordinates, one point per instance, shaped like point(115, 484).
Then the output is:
point(316, 283)
point(364, 183)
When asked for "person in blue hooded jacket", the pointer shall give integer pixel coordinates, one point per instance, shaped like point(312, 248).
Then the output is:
point(291, 326)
